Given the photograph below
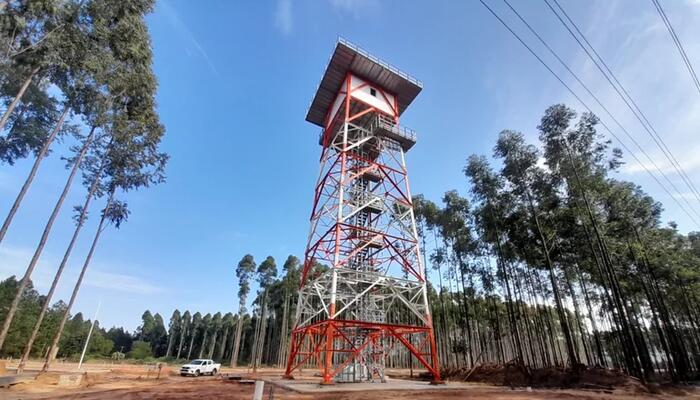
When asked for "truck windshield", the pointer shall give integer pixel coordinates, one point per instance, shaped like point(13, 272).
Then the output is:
point(197, 362)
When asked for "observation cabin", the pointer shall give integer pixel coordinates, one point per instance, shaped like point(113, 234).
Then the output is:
point(379, 94)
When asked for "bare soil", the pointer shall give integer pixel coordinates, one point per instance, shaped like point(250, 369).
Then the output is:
point(139, 383)
point(513, 374)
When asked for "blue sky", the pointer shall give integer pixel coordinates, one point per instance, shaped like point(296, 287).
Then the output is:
point(235, 81)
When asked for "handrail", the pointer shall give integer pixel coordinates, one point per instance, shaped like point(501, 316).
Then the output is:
point(387, 123)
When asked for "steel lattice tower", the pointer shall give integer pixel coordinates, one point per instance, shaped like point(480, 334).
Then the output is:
point(363, 285)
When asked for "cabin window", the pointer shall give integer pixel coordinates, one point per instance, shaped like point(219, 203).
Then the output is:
point(373, 92)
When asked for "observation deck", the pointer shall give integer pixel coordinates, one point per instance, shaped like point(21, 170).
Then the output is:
point(349, 58)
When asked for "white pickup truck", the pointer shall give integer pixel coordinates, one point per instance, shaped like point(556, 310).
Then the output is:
point(200, 367)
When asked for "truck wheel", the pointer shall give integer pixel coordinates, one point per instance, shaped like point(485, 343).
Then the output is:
point(213, 372)
point(196, 373)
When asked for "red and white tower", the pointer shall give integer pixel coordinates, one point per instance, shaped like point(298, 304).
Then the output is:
point(363, 285)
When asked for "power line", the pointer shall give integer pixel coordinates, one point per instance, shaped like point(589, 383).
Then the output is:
point(583, 103)
point(677, 41)
point(627, 99)
point(607, 111)
point(638, 113)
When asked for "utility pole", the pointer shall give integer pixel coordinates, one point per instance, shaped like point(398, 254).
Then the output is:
point(87, 341)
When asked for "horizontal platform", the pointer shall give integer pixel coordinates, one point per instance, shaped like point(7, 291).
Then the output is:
point(404, 136)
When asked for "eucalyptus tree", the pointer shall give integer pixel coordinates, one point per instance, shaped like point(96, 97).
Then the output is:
point(114, 213)
point(133, 158)
point(185, 328)
point(266, 274)
point(214, 327)
point(174, 329)
point(535, 189)
point(205, 326)
point(195, 327)
point(59, 56)
point(134, 162)
point(76, 161)
point(455, 222)
point(580, 158)
point(486, 188)
point(31, 45)
point(290, 283)
point(244, 272)
point(226, 328)
point(428, 216)
point(94, 103)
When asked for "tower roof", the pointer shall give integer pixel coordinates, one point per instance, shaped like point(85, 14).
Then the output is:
point(348, 57)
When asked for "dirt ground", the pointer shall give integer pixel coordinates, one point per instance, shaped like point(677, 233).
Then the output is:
point(126, 382)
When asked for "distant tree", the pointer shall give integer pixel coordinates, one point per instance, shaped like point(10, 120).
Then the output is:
point(148, 325)
point(121, 338)
point(195, 327)
point(266, 274)
point(185, 328)
point(244, 271)
point(140, 350)
point(214, 327)
point(290, 282)
point(159, 337)
point(174, 329)
point(205, 327)
point(226, 327)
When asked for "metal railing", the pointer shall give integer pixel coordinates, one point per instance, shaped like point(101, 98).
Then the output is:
point(389, 125)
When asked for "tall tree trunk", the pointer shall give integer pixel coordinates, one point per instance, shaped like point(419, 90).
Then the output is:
point(76, 288)
point(563, 322)
point(222, 347)
point(204, 342)
point(81, 220)
point(171, 334)
point(237, 342)
point(210, 353)
point(261, 334)
point(17, 99)
point(509, 298)
point(630, 352)
point(189, 348)
point(32, 174)
point(183, 332)
point(284, 336)
point(44, 237)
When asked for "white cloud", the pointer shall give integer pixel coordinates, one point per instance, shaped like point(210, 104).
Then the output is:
point(121, 282)
point(16, 259)
point(187, 35)
point(284, 20)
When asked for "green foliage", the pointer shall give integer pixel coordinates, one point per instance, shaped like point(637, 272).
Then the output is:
point(140, 350)
point(244, 271)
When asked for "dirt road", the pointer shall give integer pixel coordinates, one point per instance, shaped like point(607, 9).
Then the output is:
point(125, 382)
point(212, 388)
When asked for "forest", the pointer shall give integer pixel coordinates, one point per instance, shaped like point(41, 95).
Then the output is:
point(542, 257)
point(552, 261)
point(187, 335)
point(548, 262)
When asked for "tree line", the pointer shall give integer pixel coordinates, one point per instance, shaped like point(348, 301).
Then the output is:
point(79, 73)
point(554, 262)
point(245, 338)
